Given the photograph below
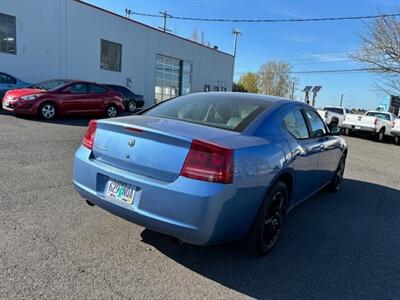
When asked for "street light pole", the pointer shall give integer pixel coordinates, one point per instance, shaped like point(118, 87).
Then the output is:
point(236, 32)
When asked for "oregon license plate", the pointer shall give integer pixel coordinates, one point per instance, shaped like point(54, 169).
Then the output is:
point(119, 191)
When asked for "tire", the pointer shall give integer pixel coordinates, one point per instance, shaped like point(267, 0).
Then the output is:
point(380, 135)
point(47, 111)
point(397, 140)
point(131, 106)
point(334, 185)
point(267, 226)
point(111, 111)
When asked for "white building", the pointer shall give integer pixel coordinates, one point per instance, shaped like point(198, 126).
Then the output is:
point(47, 39)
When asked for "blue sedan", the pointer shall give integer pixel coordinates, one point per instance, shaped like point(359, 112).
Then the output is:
point(8, 82)
point(210, 167)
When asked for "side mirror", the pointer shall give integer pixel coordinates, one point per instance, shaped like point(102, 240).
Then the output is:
point(66, 91)
point(335, 131)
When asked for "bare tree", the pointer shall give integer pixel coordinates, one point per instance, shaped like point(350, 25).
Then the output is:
point(274, 79)
point(380, 51)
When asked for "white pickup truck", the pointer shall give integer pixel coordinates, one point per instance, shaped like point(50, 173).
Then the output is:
point(334, 116)
point(376, 123)
point(396, 131)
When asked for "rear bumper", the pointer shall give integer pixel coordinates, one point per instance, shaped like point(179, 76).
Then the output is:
point(194, 211)
point(357, 127)
point(395, 132)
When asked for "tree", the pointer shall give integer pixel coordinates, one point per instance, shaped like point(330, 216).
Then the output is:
point(274, 79)
point(380, 51)
point(238, 87)
point(249, 82)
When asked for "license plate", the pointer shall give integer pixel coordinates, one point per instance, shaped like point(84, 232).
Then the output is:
point(358, 127)
point(119, 191)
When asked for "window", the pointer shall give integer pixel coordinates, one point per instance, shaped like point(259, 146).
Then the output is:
point(348, 111)
point(207, 88)
point(173, 78)
point(379, 115)
point(49, 85)
point(110, 58)
point(78, 88)
point(337, 110)
point(221, 112)
point(295, 124)
point(8, 36)
point(6, 79)
point(96, 89)
point(186, 77)
point(123, 90)
point(317, 125)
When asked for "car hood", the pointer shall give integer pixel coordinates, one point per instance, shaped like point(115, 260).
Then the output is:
point(23, 92)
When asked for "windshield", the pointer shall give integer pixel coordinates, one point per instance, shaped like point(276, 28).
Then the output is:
point(378, 115)
point(221, 112)
point(49, 85)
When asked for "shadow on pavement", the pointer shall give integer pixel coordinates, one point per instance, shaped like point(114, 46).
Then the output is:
point(343, 245)
point(70, 121)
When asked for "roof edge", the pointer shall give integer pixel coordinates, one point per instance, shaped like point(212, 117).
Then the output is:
point(150, 27)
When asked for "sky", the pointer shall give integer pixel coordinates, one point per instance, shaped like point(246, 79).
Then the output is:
point(306, 46)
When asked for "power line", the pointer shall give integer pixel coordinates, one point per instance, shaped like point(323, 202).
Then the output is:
point(321, 71)
point(270, 20)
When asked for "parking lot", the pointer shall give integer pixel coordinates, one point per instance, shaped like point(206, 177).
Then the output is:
point(52, 244)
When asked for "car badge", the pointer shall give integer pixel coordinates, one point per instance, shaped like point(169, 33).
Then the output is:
point(131, 143)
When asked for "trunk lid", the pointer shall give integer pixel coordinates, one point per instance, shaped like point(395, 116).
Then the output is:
point(150, 146)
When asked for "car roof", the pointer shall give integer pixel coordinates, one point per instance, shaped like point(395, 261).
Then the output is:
point(244, 96)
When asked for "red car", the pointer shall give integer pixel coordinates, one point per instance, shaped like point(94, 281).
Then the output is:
point(53, 98)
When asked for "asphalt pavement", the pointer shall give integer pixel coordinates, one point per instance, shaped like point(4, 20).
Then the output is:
point(53, 245)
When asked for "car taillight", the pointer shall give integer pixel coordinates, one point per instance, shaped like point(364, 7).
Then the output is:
point(88, 138)
point(376, 121)
point(208, 162)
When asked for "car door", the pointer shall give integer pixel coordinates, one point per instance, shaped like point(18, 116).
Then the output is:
point(304, 152)
point(72, 100)
point(97, 98)
point(329, 147)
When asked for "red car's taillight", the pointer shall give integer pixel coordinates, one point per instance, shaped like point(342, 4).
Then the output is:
point(88, 138)
point(208, 162)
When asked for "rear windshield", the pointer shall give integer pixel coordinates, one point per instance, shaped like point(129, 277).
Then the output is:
point(49, 85)
point(221, 112)
point(337, 110)
point(378, 115)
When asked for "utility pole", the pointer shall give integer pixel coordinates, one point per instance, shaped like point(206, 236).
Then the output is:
point(165, 16)
point(236, 32)
point(292, 96)
point(341, 101)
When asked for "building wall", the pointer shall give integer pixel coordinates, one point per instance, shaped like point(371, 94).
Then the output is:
point(61, 39)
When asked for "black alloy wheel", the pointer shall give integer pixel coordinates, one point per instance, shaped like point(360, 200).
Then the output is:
point(267, 227)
